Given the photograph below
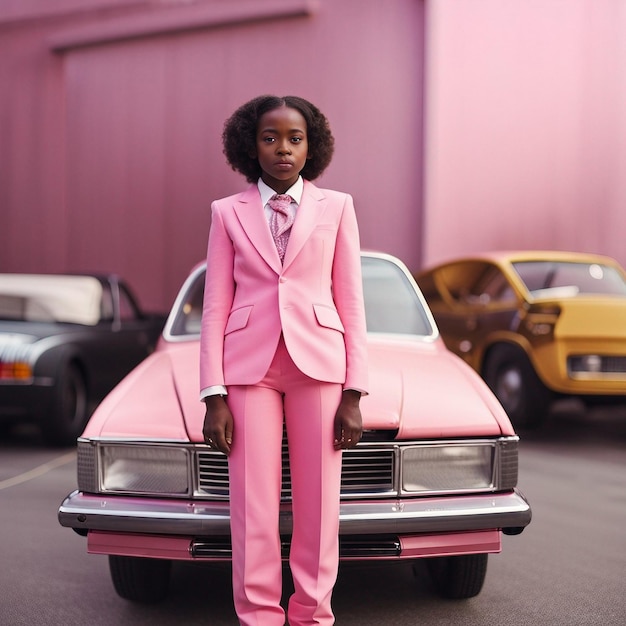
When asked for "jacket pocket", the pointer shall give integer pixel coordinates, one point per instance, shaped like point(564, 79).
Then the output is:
point(328, 317)
point(238, 319)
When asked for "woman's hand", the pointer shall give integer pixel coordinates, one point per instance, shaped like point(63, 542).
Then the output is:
point(218, 424)
point(348, 421)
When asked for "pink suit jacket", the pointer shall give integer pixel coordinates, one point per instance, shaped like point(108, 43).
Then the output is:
point(314, 298)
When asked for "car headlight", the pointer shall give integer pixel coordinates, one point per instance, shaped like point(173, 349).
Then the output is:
point(149, 470)
point(456, 468)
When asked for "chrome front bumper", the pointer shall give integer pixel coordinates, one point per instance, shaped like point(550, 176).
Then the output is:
point(507, 511)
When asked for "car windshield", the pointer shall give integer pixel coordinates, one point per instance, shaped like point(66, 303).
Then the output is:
point(567, 279)
point(392, 305)
point(50, 298)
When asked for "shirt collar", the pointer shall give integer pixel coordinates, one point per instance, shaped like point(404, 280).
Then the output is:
point(295, 191)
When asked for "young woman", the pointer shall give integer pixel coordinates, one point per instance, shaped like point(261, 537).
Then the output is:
point(283, 342)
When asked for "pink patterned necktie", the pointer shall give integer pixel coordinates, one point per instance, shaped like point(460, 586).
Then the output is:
point(281, 221)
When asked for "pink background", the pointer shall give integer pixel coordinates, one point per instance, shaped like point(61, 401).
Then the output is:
point(461, 125)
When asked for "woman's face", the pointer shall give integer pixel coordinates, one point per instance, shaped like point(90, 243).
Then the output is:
point(282, 147)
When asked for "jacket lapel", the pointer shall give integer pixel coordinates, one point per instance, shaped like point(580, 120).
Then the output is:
point(251, 216)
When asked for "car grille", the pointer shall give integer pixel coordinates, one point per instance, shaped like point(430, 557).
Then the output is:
point(603, 365)
point(364, 471)
point(614, 364)
point(378, 467)
point(361, 546)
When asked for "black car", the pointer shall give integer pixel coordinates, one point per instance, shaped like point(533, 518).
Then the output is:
point(65, 342)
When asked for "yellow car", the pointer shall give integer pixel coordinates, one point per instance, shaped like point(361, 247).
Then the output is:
point(535, 325)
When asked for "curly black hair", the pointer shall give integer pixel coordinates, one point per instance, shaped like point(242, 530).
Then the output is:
point(239, 136)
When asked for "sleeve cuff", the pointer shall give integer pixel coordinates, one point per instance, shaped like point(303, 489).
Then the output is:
point(214, 390)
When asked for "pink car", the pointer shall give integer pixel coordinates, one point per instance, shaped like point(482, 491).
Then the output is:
point(434, 477)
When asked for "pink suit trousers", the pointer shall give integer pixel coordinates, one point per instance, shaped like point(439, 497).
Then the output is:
point(255, 483)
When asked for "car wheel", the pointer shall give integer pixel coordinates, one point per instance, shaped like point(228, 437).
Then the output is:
point(140, 580)
point(513, 380)
point(458, 577)
point(70, 410)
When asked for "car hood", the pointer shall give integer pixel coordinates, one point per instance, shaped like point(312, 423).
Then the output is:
point(423, 390)
point(15, 345)
point(25, 340)
point(147, 403)
point(417, 388)
point(592, 318)
point(30, 332)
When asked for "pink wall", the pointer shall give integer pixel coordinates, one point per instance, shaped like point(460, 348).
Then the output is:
point(113, 145)
point(526, 126)
point(111, 113)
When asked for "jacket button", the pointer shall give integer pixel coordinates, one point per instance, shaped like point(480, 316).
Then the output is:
point(282, 279)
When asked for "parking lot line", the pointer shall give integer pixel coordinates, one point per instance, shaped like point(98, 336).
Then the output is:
point(38, 471)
